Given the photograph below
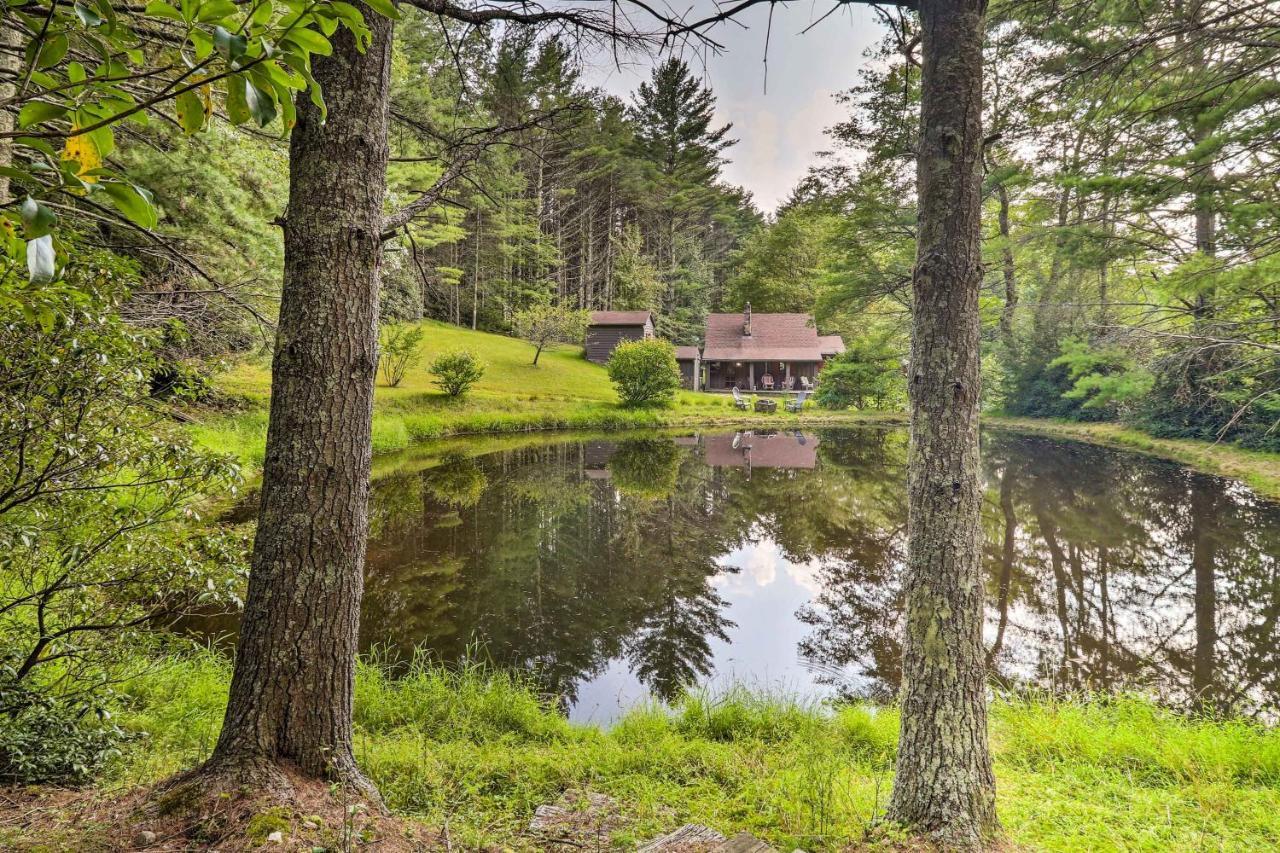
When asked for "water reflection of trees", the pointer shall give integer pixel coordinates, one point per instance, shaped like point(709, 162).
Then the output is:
point(555, 569)
point(1104, 569)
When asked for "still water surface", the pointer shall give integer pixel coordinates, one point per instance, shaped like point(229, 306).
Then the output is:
point(624, 568)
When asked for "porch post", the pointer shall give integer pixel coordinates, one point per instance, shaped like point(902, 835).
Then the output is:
point(751, 374)
point(786, 380)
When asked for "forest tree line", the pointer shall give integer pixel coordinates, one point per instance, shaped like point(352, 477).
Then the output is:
point(1129, 212)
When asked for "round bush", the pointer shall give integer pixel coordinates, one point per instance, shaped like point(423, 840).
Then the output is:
point(645, 373)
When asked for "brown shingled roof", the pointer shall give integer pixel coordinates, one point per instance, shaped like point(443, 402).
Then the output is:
point(774, 337)
point(831, 344)
point(619, 318)
point(686, 353)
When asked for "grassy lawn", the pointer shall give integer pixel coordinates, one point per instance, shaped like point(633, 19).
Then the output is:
point(480, 751)
point(564, 391)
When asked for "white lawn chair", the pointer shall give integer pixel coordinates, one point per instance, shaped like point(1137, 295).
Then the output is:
point(805, 383)
point(738, 400)
point(797, 403)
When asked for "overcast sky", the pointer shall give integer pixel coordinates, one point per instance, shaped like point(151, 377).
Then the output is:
point(778, 131)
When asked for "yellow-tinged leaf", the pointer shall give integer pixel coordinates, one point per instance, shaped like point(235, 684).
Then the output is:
point(82, 149)
point(206, 100)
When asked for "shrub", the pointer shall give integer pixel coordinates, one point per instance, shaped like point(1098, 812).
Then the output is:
point(398, 350)
point(48, 742)
point(645, 373)
point(868, 376)
point(456, 372)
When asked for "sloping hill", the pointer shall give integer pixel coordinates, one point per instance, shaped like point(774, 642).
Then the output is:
point(561, 374)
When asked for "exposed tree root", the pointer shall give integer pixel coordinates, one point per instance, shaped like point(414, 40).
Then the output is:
point(224, 808)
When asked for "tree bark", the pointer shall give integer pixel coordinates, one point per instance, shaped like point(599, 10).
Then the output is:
point(944, 787)
point(291, 694)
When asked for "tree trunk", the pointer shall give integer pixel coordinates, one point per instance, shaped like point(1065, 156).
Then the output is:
point(944, 786)
point(291, 693)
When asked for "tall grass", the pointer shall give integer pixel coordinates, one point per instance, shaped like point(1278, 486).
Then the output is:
point(481, 749)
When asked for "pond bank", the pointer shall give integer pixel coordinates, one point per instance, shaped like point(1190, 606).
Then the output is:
point(478, 752)
point(1257, 469)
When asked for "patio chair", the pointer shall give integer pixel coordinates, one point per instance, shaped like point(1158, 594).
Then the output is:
point(739, 402)
point(766, 381)
point(805, 383)
point(797, 403)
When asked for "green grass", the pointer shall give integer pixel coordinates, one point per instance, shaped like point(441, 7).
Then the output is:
point(481, 751)
point(564, 391)
point(1258, 469)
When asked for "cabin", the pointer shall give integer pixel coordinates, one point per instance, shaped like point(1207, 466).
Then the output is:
point(764, 352)
point(607, 329)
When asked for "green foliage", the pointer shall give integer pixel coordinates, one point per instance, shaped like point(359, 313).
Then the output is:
point(456, 372)
point(1103, 377)
point(99, 529)
point(868, 375)
point(779, 268)
point(635, 283)
point(47, 741)
point(544, 324)
point(645, 373)
point(397, 351)
point(81, 71)
point(646, 468)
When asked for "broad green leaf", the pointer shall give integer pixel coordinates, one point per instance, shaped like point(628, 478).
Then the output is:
point(202, 42)
point(190, 111)
point(232, 47)
point(237, 107)
point(215, 10)
point(87, 16)
point(160, 9)
point(309, 41)
point(384, 8)
point(261, 104)
point(261, 13)
point(38, 112)
point(134, 202)
point(52, 50)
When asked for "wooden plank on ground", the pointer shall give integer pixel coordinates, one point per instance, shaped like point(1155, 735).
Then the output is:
point(690, 838)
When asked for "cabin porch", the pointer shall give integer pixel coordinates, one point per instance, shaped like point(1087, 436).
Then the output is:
point(759, 376)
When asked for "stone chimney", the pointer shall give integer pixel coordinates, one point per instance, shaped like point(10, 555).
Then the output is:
point(746, 321)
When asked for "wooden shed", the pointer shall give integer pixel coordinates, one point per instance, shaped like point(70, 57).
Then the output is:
point(610, 328)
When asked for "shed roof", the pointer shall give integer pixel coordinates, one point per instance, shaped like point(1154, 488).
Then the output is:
point(620, 318)
point(686, 353)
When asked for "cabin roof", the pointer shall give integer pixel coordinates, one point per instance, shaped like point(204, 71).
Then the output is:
point(620, 318)
point(686, 353)
point(774, 337)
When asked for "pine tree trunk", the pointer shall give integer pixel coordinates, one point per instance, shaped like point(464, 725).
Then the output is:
point(291, 694)
point(944, 787)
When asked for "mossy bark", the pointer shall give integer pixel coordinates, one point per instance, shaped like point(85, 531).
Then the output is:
point(291, 694)
point(944, 787)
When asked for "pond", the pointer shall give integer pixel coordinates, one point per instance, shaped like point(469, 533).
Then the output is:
point(621, 567)
point(617, 568)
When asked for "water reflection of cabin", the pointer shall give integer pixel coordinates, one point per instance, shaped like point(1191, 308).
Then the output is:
point(762, 450)
point(764, 352)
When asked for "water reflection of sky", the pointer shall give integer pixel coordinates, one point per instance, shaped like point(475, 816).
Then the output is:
point(762, 651)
